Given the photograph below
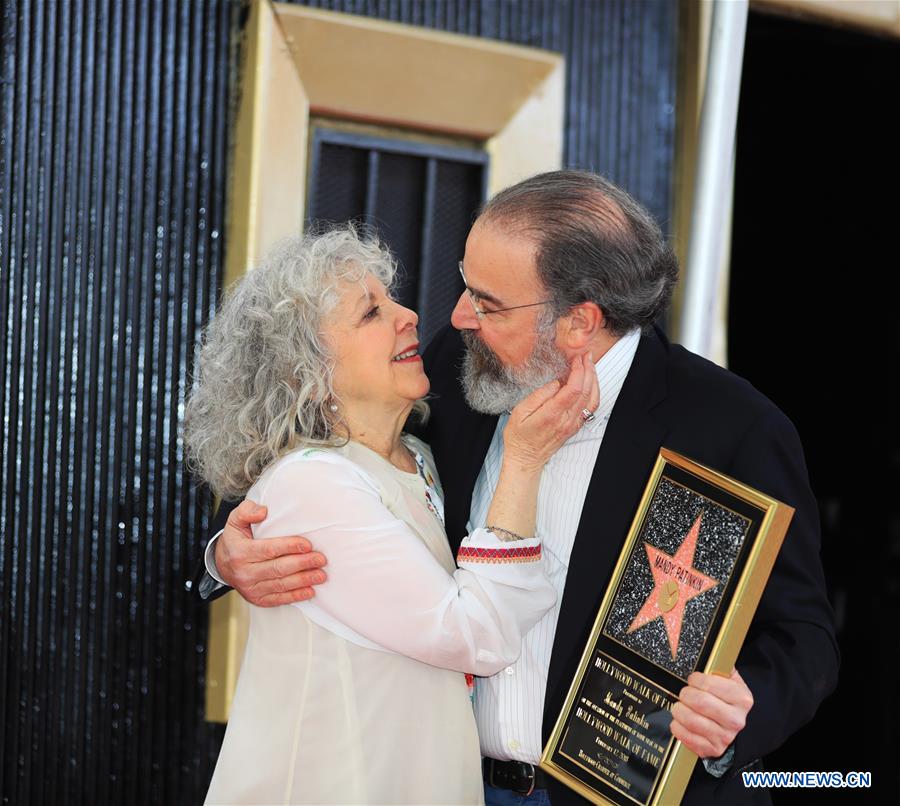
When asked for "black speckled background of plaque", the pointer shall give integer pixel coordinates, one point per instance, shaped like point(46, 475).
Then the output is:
point(672, 512)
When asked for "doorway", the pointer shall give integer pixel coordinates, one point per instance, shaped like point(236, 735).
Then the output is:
point(812, 323)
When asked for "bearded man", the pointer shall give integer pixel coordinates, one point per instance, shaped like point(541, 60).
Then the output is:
point(562, 264)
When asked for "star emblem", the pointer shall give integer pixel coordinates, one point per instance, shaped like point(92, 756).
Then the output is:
point(676, 583)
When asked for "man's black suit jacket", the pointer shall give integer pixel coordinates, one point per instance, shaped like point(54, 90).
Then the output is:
point(674, 399)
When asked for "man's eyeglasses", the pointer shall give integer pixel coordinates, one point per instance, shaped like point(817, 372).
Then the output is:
point(480, 312)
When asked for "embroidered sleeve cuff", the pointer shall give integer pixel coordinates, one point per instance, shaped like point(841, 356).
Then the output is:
point(482, 546)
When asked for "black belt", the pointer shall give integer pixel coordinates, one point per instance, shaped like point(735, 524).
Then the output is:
point(520, 777)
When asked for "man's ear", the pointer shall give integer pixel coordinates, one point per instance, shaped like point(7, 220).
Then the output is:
point(580, 326)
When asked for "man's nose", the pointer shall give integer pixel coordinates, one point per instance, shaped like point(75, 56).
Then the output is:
point(463, 316)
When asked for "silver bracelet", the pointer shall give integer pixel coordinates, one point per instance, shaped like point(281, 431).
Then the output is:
point(504, 534)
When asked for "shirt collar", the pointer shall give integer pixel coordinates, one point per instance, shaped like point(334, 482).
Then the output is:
point(612, 369)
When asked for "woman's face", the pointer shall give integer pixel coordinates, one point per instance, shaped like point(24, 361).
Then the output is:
point(376, 349)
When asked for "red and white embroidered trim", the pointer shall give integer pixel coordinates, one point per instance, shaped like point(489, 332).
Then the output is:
point(511, 555)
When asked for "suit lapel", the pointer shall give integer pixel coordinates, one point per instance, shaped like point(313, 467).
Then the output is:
point(479, 430)
point(459, 437)
point(630, 446)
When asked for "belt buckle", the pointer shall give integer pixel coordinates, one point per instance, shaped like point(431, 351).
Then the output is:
point(528, 773)
point(531, 778)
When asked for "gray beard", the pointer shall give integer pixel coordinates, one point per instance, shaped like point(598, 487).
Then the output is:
point(492, 388)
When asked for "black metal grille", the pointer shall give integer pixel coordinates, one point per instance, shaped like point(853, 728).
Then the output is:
point(420, 198)
point(112, 180)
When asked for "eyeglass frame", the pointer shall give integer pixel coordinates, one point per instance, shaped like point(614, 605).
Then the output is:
point(480, 313)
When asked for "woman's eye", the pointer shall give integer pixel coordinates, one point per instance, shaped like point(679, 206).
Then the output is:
point(372, 312)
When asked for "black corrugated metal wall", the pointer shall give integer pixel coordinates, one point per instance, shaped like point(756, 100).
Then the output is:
point(112, 187)
point(113, 171)
point(620, 73)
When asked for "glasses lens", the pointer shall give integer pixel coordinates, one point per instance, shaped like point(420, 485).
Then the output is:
point(478, 312)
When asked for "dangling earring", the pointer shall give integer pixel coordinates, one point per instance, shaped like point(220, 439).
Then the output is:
point(333, 407)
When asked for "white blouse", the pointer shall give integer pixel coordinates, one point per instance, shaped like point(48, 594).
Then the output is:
point(357, 696)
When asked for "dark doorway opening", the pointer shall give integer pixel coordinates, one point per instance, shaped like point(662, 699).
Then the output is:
point(812, 323)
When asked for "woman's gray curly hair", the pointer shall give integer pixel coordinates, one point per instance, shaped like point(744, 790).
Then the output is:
point(263, 384)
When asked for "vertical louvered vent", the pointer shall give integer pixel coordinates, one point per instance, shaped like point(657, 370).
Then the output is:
point(421, 199)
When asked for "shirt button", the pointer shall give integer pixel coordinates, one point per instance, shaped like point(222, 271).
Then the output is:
point(510, 670)
point(512, 744)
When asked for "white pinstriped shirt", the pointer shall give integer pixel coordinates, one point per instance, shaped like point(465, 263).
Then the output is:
point(509, 706)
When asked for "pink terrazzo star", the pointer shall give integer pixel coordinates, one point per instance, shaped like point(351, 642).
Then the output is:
point(677, 582)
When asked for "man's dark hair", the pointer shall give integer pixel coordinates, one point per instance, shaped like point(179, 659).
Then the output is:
point(595, 243)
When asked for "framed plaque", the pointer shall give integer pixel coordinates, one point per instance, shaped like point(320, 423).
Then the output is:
point(685, 587)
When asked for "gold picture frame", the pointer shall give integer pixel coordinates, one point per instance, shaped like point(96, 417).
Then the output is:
point(683, 592)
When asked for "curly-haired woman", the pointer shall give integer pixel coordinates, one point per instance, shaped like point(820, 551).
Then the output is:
point(306, 380)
